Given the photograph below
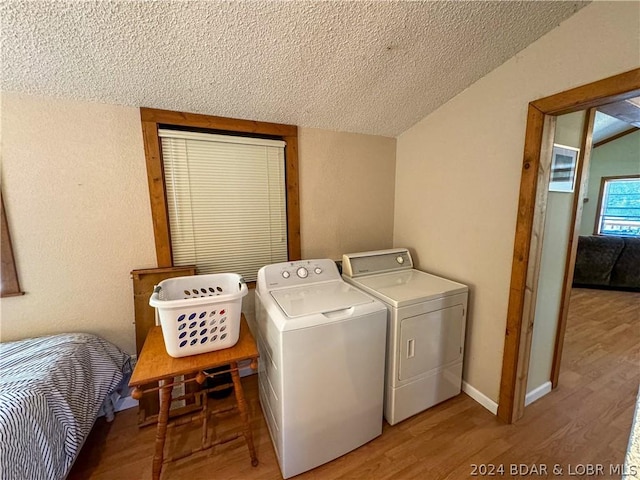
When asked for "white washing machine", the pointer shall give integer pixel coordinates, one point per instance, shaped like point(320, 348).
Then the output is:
point(321, 367)
point(425, 338)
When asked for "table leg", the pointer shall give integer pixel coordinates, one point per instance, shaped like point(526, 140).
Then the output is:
point(244, 415)
point(161, 432)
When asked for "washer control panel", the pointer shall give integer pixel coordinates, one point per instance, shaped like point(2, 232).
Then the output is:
point(300, 272)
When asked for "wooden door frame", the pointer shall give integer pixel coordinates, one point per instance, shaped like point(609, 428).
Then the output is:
point(582, 180)
point(531, 209)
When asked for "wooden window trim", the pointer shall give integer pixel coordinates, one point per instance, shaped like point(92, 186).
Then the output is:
point(153, 119)
point(10, 283)
point(603, 182)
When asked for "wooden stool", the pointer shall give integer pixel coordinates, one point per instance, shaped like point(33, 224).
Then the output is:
point(155, 365)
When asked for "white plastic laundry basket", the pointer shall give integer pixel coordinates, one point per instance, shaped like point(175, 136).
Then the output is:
point(199, 313)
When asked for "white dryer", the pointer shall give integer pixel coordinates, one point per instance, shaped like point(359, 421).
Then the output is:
point(426, 328)
point(321, 366)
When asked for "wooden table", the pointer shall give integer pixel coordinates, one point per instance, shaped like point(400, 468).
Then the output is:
point(144, 281)
point(155, 365)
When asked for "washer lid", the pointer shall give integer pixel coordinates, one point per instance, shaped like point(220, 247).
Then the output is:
point(408, 287)
point(319, 298)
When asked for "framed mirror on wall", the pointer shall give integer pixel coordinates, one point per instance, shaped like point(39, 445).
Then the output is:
point(10, 284)
point(564, 161)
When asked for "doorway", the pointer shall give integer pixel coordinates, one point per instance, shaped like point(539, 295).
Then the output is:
point(530, 225)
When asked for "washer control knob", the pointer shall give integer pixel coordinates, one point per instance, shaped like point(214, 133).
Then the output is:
point(400, 260)
point(302, 272)
point(286, 274)
point(317, 270)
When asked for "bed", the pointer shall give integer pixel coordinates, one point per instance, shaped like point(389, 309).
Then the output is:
point(51, 389)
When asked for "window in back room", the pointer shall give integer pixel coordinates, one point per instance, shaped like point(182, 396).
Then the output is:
point(619, 201)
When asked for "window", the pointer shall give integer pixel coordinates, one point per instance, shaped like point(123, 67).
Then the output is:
point(619, 206)
point(224, 193)
point(226, 201)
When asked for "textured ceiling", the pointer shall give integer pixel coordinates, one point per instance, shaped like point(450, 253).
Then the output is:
point(373, 67)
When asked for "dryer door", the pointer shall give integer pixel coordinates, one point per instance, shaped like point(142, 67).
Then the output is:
point(430, 340)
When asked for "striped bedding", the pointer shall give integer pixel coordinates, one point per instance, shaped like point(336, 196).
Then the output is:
point(51, 389)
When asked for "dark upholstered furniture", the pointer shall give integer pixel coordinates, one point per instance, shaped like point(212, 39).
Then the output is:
point(608, 262)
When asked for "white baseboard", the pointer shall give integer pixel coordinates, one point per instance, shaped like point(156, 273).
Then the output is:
point(480, 397)
point(122, 403)
point(537, 393)
point(125, 403)
point(245, 368)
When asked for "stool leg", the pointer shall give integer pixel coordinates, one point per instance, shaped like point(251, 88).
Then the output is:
point(161, 431)
point(205, 418)
point(244, 415)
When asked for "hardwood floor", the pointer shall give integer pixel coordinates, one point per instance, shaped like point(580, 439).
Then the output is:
point(585, 421)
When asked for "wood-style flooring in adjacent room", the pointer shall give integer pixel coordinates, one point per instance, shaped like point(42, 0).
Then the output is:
point(586, 420)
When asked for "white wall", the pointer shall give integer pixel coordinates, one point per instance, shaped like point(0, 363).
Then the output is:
point(75, 186)
point(619, 157)
point(458, 169)
point(74, 183)
point(552, 264)
point(346, 192)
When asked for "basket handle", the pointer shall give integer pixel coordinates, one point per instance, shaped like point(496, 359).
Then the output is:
point(155, 297)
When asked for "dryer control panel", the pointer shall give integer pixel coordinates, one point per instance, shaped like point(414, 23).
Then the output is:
point(379, 261)
point(300, 272)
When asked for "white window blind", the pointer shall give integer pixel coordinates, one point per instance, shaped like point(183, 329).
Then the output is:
point(226, 201)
